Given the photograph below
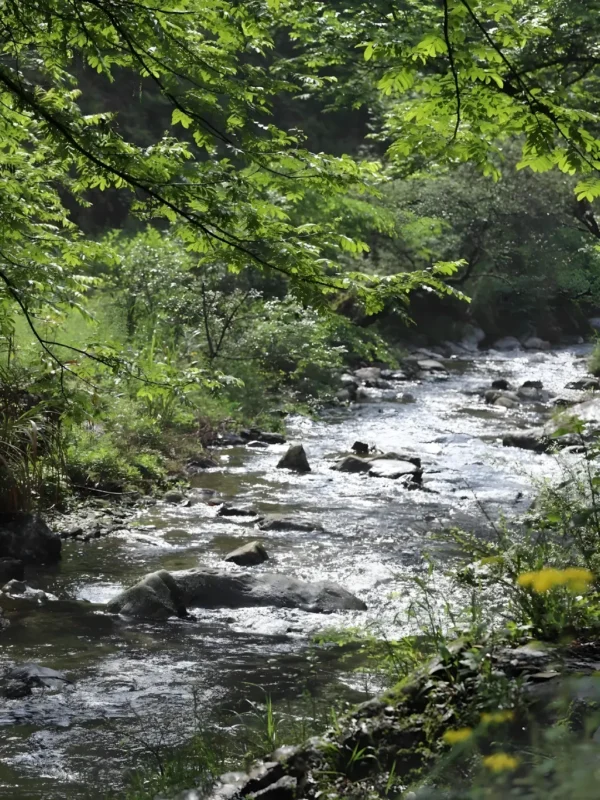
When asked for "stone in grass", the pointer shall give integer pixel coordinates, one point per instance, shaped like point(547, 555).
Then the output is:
point(248, 555)
point(295, 459)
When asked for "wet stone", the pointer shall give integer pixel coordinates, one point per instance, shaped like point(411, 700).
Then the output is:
point(295, 459)
point(248, 555)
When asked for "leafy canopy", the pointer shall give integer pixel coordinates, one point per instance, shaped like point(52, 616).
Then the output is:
point(454, 79)
point(224, 176)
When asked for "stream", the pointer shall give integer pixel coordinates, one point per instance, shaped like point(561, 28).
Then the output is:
point(134, 682)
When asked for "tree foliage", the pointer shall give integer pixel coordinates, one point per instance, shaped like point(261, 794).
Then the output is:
point(455, 79)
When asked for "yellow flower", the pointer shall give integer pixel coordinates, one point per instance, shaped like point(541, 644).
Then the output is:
point(458, 735)
point(576, 579)
point(497, 717)
point(500, 762)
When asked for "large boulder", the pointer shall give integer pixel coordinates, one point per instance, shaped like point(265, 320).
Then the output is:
point(472, 337)
point(19, 680)
point(161, 595)
point(295, 459)
point(248, 555)
point(507, 343)
point(210, 588)
point(26, 537)
point(156, 596)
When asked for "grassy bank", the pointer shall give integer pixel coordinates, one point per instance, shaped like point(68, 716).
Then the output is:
point(152, 368)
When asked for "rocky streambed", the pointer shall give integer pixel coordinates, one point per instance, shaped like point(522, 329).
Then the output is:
point(432, 449)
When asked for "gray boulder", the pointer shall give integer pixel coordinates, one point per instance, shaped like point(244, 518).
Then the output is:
point(506, 402)
point(529, 393)
point(288, 524)
point(295, 459)
point(407, 398)
point(352, 464)
point(532, 385)
point(18, 681)
point(173, 496)
point(26, 537)
point(501, 384)
point(156, 596)
point(430, 365)
point(507, 343)
point(535, 343)
point(248, 555)
point(209, 588)
point(368, 374)
point(534, 439)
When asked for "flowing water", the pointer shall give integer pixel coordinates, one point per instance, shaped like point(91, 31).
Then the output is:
point(135, 683)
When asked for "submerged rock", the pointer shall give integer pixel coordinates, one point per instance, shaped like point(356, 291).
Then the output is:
point(288, 524)
point(18, 681)
point(248, 555)
point(295, 459)
point(208, 588)
point(26, 537)
point(227, 510)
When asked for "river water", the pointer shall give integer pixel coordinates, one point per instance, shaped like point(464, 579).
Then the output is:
point(134, 683)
